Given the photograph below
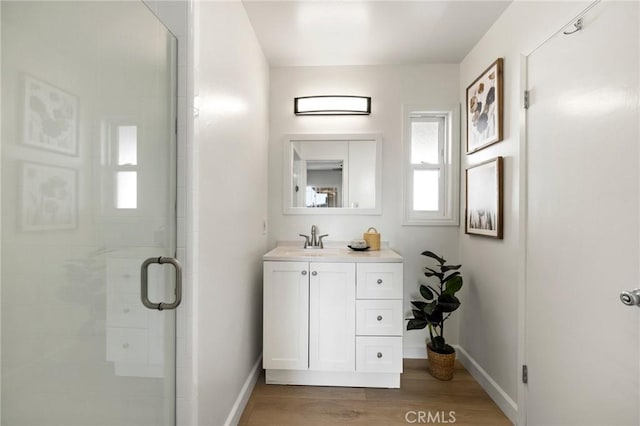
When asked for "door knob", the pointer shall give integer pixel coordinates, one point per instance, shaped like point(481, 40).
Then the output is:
point(631, 298)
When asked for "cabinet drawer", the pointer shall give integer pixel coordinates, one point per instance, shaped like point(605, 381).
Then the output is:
point(379, 354)
point(379, 317)
point(379, 281)
point(126, 310)
point(127, 345)
point(123, 275)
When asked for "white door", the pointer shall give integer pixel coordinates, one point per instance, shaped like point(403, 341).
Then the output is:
point(332, 317)
point(582, 223)
point(286, 316)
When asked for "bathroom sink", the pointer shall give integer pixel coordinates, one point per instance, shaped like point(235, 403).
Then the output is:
point(302, 252)
point(298, 253)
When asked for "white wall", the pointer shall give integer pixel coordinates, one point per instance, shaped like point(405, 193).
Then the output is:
point(231, 166)
point(491, 300)
point(390, 87)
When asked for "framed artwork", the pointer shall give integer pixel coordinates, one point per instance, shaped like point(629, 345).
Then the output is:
point(49, 197)
point(50, 118)
point(483, 215)
point(484, 109)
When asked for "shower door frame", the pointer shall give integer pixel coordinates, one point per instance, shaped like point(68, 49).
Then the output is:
point(183, 127)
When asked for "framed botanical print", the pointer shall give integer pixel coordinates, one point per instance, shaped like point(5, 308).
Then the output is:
point(50, 118)
point(483, 214)
point(49, 197)
point(485, 108)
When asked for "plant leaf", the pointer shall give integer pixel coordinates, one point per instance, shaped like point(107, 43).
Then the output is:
point(447, 268)
point(448, 303)
point(416, 324)
point(419, 314)
point(430, 307)
point(453, 285)
point(418, 304)
point(434, 256)
point(435, 318)
point(448, 277)
point(432, 273)
point(426, 292)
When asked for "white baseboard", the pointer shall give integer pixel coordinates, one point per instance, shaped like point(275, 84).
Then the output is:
point(245, 393)
point(499, 396)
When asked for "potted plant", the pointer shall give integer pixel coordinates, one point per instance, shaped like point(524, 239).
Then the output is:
point(440, 302)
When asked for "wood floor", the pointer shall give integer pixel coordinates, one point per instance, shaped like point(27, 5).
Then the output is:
point(461, 402)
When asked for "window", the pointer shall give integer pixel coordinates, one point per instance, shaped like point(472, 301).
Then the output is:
point(119, 171)
point(431, 171)
point(126, 196)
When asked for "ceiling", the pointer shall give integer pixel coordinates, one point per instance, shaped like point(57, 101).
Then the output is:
point(312, 33)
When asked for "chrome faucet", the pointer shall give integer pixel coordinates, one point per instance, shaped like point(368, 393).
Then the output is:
point(314, 241)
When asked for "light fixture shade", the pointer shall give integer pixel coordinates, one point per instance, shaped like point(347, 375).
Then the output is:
point(332, 105)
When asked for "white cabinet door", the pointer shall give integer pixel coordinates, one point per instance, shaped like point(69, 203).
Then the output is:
point(332, 317)
point(286, 315)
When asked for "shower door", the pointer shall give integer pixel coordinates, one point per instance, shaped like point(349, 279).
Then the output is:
point(88, 194)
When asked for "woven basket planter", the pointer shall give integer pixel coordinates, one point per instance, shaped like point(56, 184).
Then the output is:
point(440, 365)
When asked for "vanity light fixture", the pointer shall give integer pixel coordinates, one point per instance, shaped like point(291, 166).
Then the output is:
point(332, 105)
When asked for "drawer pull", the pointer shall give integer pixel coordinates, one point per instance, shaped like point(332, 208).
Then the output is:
point(304, 272)
point(314, 273)
point(379, 281)
point(125, 346)
point(379, 355)
point(379, 318)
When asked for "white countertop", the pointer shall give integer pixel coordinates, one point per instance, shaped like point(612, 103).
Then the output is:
point(287, 253)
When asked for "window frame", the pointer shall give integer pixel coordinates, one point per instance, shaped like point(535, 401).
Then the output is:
point(448, 213)
point(110, 168)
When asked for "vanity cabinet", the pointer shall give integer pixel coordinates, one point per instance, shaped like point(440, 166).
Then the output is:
point(309, 316)
point(134, 334)
point(333, 322)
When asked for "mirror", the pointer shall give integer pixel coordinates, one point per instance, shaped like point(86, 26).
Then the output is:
point(327, 174)
point(324, 184)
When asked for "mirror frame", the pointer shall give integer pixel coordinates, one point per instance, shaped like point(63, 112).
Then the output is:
point(347, 137)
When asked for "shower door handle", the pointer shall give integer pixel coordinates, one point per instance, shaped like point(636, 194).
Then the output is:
point(144, 283)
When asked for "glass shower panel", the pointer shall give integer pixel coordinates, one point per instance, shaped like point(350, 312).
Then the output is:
point(88, 193)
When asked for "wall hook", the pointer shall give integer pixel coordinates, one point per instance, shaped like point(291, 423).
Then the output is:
point(577, 25)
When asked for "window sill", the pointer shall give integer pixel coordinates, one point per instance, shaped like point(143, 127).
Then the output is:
point(432, 222)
